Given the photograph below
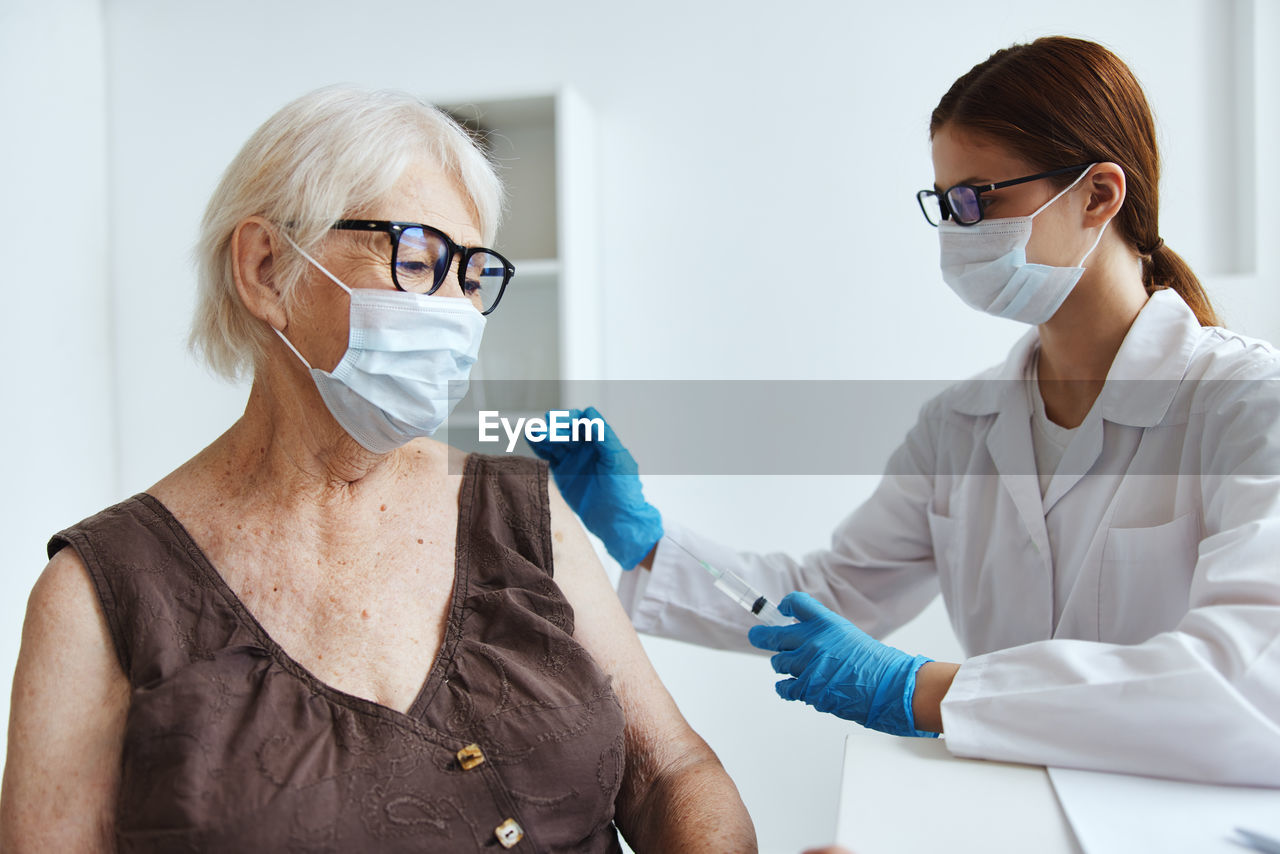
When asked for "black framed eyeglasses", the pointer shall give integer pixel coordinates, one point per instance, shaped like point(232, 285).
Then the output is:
point(963, 202)
point(421, 257)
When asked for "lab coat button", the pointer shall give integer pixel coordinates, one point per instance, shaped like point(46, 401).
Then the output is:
point(470, 756)
point(508, 833)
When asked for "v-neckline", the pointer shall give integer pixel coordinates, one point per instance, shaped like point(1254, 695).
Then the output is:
point(436, 676)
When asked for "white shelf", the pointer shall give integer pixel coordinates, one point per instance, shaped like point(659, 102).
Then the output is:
point(547, 328)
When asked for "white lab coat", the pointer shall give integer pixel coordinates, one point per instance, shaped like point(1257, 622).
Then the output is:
point(1127, 621)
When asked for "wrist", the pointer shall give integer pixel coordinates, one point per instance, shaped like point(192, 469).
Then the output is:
point(932, 681)
point(647, 563)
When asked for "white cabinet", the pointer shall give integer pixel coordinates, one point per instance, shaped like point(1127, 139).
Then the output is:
point(547, 328)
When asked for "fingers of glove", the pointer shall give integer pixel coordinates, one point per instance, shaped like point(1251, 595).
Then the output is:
point(608, 444)
point(803, 687)
point(613, 467)
point(851, 707)
point(795, 662)
point(592, 414)
point(552, 452)
point(616, 460)
point(789, 689)
point(778, 638)
point(764, 637)
point(543, 439)
point(606, 508)
point(575, 476)
point(568, 446)
point(574, 488)
point(813, 613)
point(803, 607)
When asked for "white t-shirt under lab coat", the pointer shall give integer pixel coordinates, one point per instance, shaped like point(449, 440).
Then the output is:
point(1128, 619)
point(1049, 441)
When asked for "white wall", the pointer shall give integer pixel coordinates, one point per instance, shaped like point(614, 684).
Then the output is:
point(763, 133)
point(57, 424)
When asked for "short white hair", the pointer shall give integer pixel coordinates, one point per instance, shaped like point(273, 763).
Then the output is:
point(318, 160)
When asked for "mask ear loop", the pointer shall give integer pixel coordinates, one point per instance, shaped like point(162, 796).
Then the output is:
point(1101, 232)
point(289, 344)
point(1034, 214)
point(338, 281)
point(1066, 190)
point(321, 268)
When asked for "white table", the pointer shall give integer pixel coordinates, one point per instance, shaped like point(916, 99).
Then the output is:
point(905, 795)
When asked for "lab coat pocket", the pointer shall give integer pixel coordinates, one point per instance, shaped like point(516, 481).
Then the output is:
point(1144, 586)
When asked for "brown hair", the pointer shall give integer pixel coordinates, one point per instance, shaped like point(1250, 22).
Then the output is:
point(1060, 101)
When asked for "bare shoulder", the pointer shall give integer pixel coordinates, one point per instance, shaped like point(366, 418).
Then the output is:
point(70, 698)
point(66, 645)
point(65, 619)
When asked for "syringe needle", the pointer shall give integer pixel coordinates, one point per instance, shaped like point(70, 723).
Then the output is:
point(682, 548)
point(739, 591)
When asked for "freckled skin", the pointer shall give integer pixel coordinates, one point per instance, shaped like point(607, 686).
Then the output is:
point(356, 549)
point(349, 598)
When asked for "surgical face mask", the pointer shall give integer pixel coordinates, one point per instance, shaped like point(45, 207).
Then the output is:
point(986, 265)
point(406, 367)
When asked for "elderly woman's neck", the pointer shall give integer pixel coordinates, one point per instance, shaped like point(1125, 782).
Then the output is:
point(287, 440)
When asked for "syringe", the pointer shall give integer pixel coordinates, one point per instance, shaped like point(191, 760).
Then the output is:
point(742, 593)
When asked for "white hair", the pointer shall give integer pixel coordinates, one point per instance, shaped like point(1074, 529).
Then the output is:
point(318, 160)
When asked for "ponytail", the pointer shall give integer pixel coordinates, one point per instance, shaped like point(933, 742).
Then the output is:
point(1163, 268)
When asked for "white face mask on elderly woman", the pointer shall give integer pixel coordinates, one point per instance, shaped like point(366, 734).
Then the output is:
point(986, 265)
point(407, 363)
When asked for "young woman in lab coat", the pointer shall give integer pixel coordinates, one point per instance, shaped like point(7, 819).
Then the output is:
point(1101, 512)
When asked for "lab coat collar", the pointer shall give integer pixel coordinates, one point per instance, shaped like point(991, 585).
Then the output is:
point(1157, 349)
point(992, 390)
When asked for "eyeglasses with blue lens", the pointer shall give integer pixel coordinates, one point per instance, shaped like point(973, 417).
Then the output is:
point(421, 257)
point(963, 202)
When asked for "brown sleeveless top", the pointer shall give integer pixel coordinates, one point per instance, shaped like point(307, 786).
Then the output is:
point(230, 745)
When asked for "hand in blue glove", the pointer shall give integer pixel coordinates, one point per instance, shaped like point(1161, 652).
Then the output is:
point(839, 668)
point(601, 482)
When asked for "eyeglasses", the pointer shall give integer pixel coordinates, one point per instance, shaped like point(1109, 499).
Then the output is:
point(963, 202)
point(421, 257)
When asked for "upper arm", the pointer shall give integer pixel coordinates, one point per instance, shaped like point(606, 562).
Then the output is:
point(657, 735)
point(66, 720)
point(1240, 450)
point(675, 795)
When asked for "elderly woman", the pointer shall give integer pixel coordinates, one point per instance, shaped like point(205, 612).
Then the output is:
point(326, 632)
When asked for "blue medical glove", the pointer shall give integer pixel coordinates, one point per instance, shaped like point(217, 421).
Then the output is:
point(601, 482)
point(839, 668)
